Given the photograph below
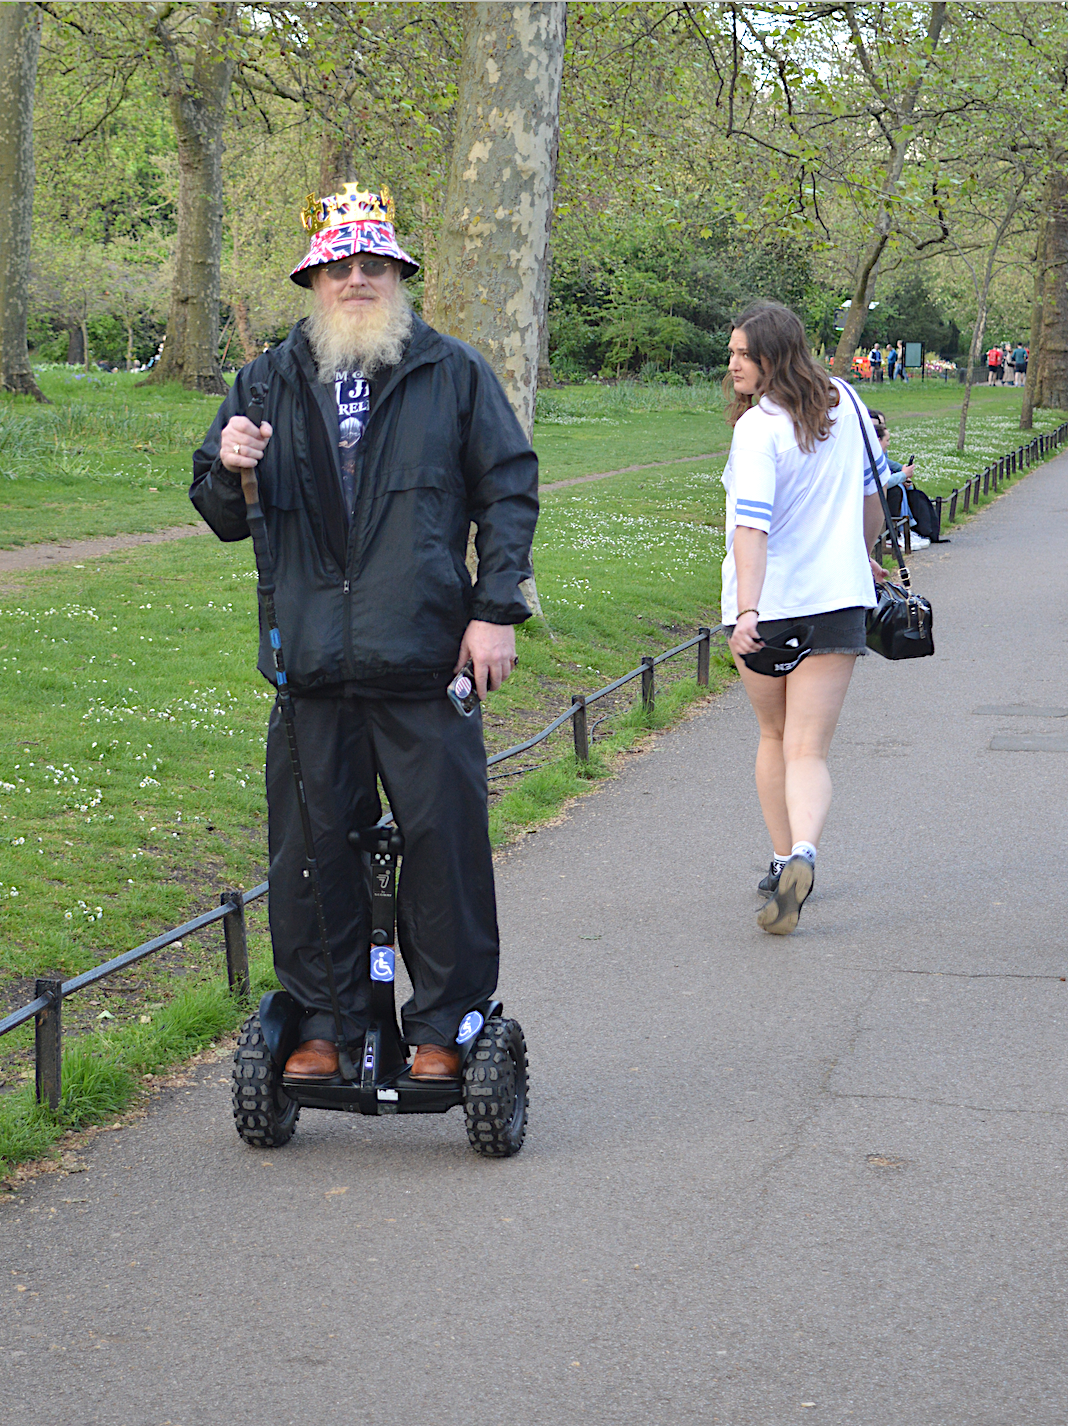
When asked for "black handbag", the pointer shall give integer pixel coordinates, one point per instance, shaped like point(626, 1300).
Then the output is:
point(900, 625)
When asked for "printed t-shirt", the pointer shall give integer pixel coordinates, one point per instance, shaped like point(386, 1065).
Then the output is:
point(353, 394)
point(994, 356)
point(811, 506)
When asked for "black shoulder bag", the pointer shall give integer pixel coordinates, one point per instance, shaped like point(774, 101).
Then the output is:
point(900, 625)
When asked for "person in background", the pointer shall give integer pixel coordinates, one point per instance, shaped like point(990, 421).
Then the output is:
point(891, 362)
point(1019, 362)
point(875, 356)
point(993, 365)
point(902, 371)
point(899, 481)
point(803, 511)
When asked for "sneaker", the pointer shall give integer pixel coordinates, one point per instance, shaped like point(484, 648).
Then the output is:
point(919, 543)
point(778, 916)
point(769, 884)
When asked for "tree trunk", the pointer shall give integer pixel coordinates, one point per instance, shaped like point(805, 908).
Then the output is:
point(198, 109)
point(903, 137)
point(245, 334)
point(430, 265)
point(1027, 410)
point(85, 340)
point(1051, 357)
point(75, 345)
point(337, 161)
point(982, 306)
point(858, 310)
point(20, 43)
point(492, 279)
point(973, 350)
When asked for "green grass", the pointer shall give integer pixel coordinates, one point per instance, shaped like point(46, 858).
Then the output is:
point(104, 1071)
point(107, 457)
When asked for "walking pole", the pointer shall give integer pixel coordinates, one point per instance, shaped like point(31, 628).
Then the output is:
point(265, 590)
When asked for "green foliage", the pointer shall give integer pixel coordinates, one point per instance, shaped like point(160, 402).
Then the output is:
point(911, 313)
point(629, 292)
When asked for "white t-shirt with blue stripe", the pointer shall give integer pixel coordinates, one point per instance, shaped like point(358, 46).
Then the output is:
point(810, 505)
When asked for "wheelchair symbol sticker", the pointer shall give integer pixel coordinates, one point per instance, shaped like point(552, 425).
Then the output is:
point(382, 960)
point(469, 1027)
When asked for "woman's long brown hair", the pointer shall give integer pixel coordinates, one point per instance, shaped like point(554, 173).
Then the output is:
point(792, 378)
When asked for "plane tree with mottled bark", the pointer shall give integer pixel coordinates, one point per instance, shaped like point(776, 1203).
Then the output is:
point(20, 42)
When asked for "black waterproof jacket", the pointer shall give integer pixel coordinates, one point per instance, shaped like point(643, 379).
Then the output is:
point(388, 593)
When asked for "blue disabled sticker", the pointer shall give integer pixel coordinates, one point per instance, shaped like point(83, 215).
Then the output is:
point(469, 1027)
point(382, 962)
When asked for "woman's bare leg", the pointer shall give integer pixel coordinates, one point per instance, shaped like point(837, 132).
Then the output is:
point(797, 716)
point(768, 697)
point(815, 692)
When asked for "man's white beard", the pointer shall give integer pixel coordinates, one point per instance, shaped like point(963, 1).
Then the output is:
point(364, 335)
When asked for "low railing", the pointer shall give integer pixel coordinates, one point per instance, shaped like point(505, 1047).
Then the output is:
point(989, 479)
point(47, 1006)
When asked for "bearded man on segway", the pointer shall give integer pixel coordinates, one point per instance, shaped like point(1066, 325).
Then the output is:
point(381, 441)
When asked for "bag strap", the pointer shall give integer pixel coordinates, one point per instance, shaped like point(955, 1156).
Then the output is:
point(882, 493)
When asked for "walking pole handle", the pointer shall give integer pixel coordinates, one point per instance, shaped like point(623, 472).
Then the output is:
point(250, 486)
point(250, 489)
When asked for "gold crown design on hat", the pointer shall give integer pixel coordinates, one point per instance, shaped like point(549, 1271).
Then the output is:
point(351, 205)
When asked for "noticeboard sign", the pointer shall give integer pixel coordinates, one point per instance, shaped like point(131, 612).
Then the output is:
point(914, 354)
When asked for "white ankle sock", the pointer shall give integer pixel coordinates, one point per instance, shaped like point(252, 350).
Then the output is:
point(806, 850)
point(778, 862)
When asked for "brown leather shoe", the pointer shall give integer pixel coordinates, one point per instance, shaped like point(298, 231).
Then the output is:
point(435, 1062)
point(314, 1060)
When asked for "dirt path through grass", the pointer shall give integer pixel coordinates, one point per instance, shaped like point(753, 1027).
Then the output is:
point(626, 469)
point(40, 556)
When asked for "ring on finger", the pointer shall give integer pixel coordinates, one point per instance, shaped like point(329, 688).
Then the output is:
point(237, 450)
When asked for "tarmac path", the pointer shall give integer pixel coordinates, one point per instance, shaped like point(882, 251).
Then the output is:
point(766, 1180)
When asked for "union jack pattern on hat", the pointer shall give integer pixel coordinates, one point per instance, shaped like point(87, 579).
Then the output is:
point(352, 221)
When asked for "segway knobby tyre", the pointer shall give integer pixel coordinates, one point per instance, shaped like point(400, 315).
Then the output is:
point(264, 1115)
point(495, 1089)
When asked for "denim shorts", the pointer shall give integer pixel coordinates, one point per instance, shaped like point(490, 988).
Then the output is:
point(839, 631)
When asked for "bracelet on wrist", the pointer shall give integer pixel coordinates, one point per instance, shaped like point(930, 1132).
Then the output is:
point(747, 611)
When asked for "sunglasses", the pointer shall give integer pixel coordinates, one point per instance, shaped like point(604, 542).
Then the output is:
point(369, 266)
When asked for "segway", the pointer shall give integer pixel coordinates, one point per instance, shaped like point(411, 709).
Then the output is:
point(492, 1083)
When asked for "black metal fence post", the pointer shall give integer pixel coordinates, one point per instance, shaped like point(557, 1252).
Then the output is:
point(938, 517)
point(704, 649)
point(986, 481)
point(953, 505)
point(48, 1044)
point(648, 686)
point(967, 495)
point(580, 728)
point(236, 937)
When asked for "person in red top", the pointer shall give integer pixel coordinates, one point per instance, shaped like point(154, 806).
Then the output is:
point(994, 357)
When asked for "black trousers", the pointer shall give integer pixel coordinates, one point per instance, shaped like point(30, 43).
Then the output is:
point(432, 764)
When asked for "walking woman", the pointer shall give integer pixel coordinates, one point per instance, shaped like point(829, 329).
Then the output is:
point(803, 511)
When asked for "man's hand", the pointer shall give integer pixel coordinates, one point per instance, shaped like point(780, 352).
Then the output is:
point(491, 649)
point(877, 571)
point(241, 444)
